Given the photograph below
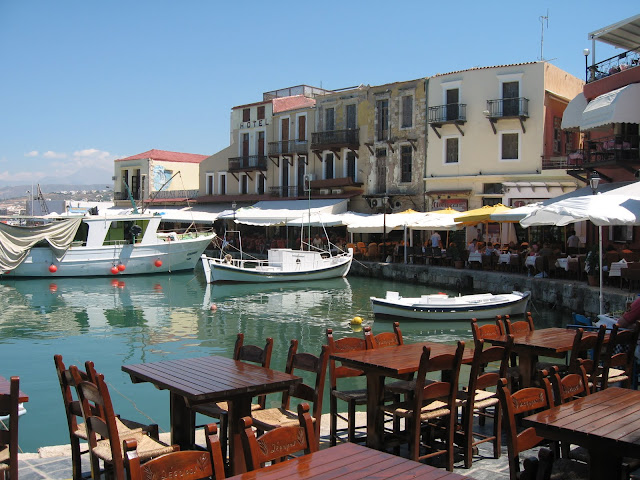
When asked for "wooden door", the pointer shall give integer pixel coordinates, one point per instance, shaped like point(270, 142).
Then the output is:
point(284, 132)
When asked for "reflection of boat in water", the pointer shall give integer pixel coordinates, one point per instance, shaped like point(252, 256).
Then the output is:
point(97, 246)
point(442, 307)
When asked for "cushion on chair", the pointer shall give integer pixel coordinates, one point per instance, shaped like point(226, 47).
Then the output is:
point(147, 447)
point(218, 408)
point(275, 417)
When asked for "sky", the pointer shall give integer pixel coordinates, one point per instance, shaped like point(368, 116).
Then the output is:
point(85, 82)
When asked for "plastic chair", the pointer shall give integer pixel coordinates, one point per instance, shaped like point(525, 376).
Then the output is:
point(271, 418)
point(9, 437)
point(351, 397)
point(185, 465)
point(220, 410)
point(276, 445)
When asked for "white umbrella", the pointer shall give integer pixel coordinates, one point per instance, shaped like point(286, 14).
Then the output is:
point(432, 221)
point(604, 209)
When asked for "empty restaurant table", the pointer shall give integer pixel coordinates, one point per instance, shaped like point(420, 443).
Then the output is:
point(607, 423)
point(5, 389)
point(210, 379)
point(349, 460)
point(395, 361)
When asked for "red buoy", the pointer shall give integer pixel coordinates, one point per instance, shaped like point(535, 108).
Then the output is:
point(158, 263)
point(115, 270)
point(53, 288)
point(114, 283)
point(53, 268)
point(121, 267)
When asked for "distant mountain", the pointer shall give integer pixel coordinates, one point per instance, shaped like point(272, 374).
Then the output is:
point(17, 191)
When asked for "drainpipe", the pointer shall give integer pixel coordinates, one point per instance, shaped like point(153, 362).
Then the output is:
point(426, 143)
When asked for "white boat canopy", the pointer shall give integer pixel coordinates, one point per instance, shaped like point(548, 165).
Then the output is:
point(281, 212)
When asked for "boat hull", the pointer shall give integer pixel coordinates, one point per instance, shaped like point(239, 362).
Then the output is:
point(511, 304)
point(79, 261)
point(218, 270)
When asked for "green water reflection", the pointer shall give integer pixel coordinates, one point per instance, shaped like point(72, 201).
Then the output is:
point(151, 318)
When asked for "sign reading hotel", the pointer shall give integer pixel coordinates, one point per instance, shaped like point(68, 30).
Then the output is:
point(254, 123)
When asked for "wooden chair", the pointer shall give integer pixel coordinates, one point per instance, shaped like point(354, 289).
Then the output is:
point(527, 400)
point(372, 252)
point(276, 445)
point(586, 352)
point(478, 397)
point(383, 339)
point(351, 397)
point(433, 405)
point(105, 442)
point(522, 326)
point(220, 410)
point(619, 359)
point(9, 436)
point(488, 332)
point(185, 465)
point(271, 418)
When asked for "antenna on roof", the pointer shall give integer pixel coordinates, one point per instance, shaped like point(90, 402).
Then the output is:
point(542, 19)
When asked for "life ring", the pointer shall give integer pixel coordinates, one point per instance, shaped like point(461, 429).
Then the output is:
point(228, 258)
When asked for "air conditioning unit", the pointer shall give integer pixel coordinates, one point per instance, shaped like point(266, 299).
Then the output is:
point(324, 191)
point(397, 204)
point(336, 191)
point(375, 202)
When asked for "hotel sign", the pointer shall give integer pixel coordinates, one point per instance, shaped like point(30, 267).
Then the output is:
point(254, 123)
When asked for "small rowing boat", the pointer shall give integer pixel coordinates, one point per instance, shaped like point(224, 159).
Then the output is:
point(441, 306)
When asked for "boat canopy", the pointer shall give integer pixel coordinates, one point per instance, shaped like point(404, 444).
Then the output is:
point(16, 241)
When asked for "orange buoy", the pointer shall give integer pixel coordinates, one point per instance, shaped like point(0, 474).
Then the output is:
point(157, 287)
point(115, 270)
point(121, 267)
point(53, 268)
point(158, 263)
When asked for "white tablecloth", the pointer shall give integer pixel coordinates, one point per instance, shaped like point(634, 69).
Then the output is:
point(475, 257)
point(530, 261)
point(616, 268)
point(504, 258)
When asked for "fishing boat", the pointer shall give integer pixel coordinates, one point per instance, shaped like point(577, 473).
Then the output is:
point(443, 307)
point(282, 265)
point(95, 245)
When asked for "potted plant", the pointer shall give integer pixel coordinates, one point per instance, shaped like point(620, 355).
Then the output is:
point(592, 265)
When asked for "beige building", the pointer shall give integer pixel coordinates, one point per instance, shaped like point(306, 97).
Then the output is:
point(494, 136)
point(156, 176)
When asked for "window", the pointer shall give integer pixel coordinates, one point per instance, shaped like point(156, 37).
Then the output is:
point(261, 143)
point(492, 188)
point(209, 183)
point(407, 111)
point(452, 150)
point(351, 117)
point(245, 144)
point(261, 112)
point(262, 182)
point(330, 119)
point(509, 146)
point(382, 119)
point(381, 170)
point(244, 184)
point(328, 166)
point(405, 161)
point(222, 184)
point(491, 201)
point(302, 128)
point(557, 136)
point(510, 94)
point(351, 166)
point(453, 104)
point(246, 114)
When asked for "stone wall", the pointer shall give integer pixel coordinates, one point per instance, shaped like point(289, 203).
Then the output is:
point(570, 295)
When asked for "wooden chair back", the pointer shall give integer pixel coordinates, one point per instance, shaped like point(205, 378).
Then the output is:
point(488, 331)
point(278, 444)
point(384, 339)
point(341, 345)
point(521, 326)
point(479, 379)
point(9, 437)
point(73, 411)
point(620, 353)
point(587, 352)
point(185, 465)
point(523, 401)
point(372, 251)
point(570, 386)
point(307, 362)
point(254, 354)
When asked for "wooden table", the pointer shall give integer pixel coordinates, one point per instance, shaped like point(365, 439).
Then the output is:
point(210, 379)
point(397, 362)
point(349, 461)
point(5, 389)
point(548, 342)
point(607, 423)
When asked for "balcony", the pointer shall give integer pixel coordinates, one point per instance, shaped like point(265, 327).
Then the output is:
point(288, 147)
point(248, 163)
point(612, 73)
point(503, 108)
point(450, 113)
point(335, 139)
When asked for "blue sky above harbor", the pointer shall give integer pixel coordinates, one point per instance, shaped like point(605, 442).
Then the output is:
point(83, 83)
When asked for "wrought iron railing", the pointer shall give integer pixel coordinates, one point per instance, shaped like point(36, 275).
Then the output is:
point(288, 146)
point(335, 137)
point(284, 192)
point(611, 66)
point(251, 162)
point(452, 112)
point(508, 107)
point(561, 161)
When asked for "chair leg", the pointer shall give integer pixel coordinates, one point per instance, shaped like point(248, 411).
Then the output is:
point(351, 421)
point(497, 431)
point(333, 420)
point(76, 461)
point(224, 434)
point(468, 437)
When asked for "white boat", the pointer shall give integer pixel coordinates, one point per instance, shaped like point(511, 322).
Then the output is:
point(442, 307)
point(282, 265)
point(95, 245)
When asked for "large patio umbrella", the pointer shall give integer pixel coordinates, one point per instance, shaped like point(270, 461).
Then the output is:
point(603, 209)
point(480, 215)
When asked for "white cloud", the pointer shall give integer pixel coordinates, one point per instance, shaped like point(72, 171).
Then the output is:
point(32, 153)
point(52, 154)
point(27, 177)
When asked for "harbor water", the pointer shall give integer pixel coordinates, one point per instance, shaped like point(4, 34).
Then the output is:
point(117, 321)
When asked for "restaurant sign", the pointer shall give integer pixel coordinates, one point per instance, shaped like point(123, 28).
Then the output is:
point(459, 204)
point(521, 202)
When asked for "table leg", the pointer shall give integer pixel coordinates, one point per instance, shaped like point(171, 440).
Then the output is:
point(525, 360)
point(183, 422)
point(375, 418)
point(604, 464)
point(238, 407)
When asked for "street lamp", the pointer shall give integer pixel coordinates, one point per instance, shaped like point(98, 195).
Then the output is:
point(234, 205)
point(586, 52)
point(594, 181)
